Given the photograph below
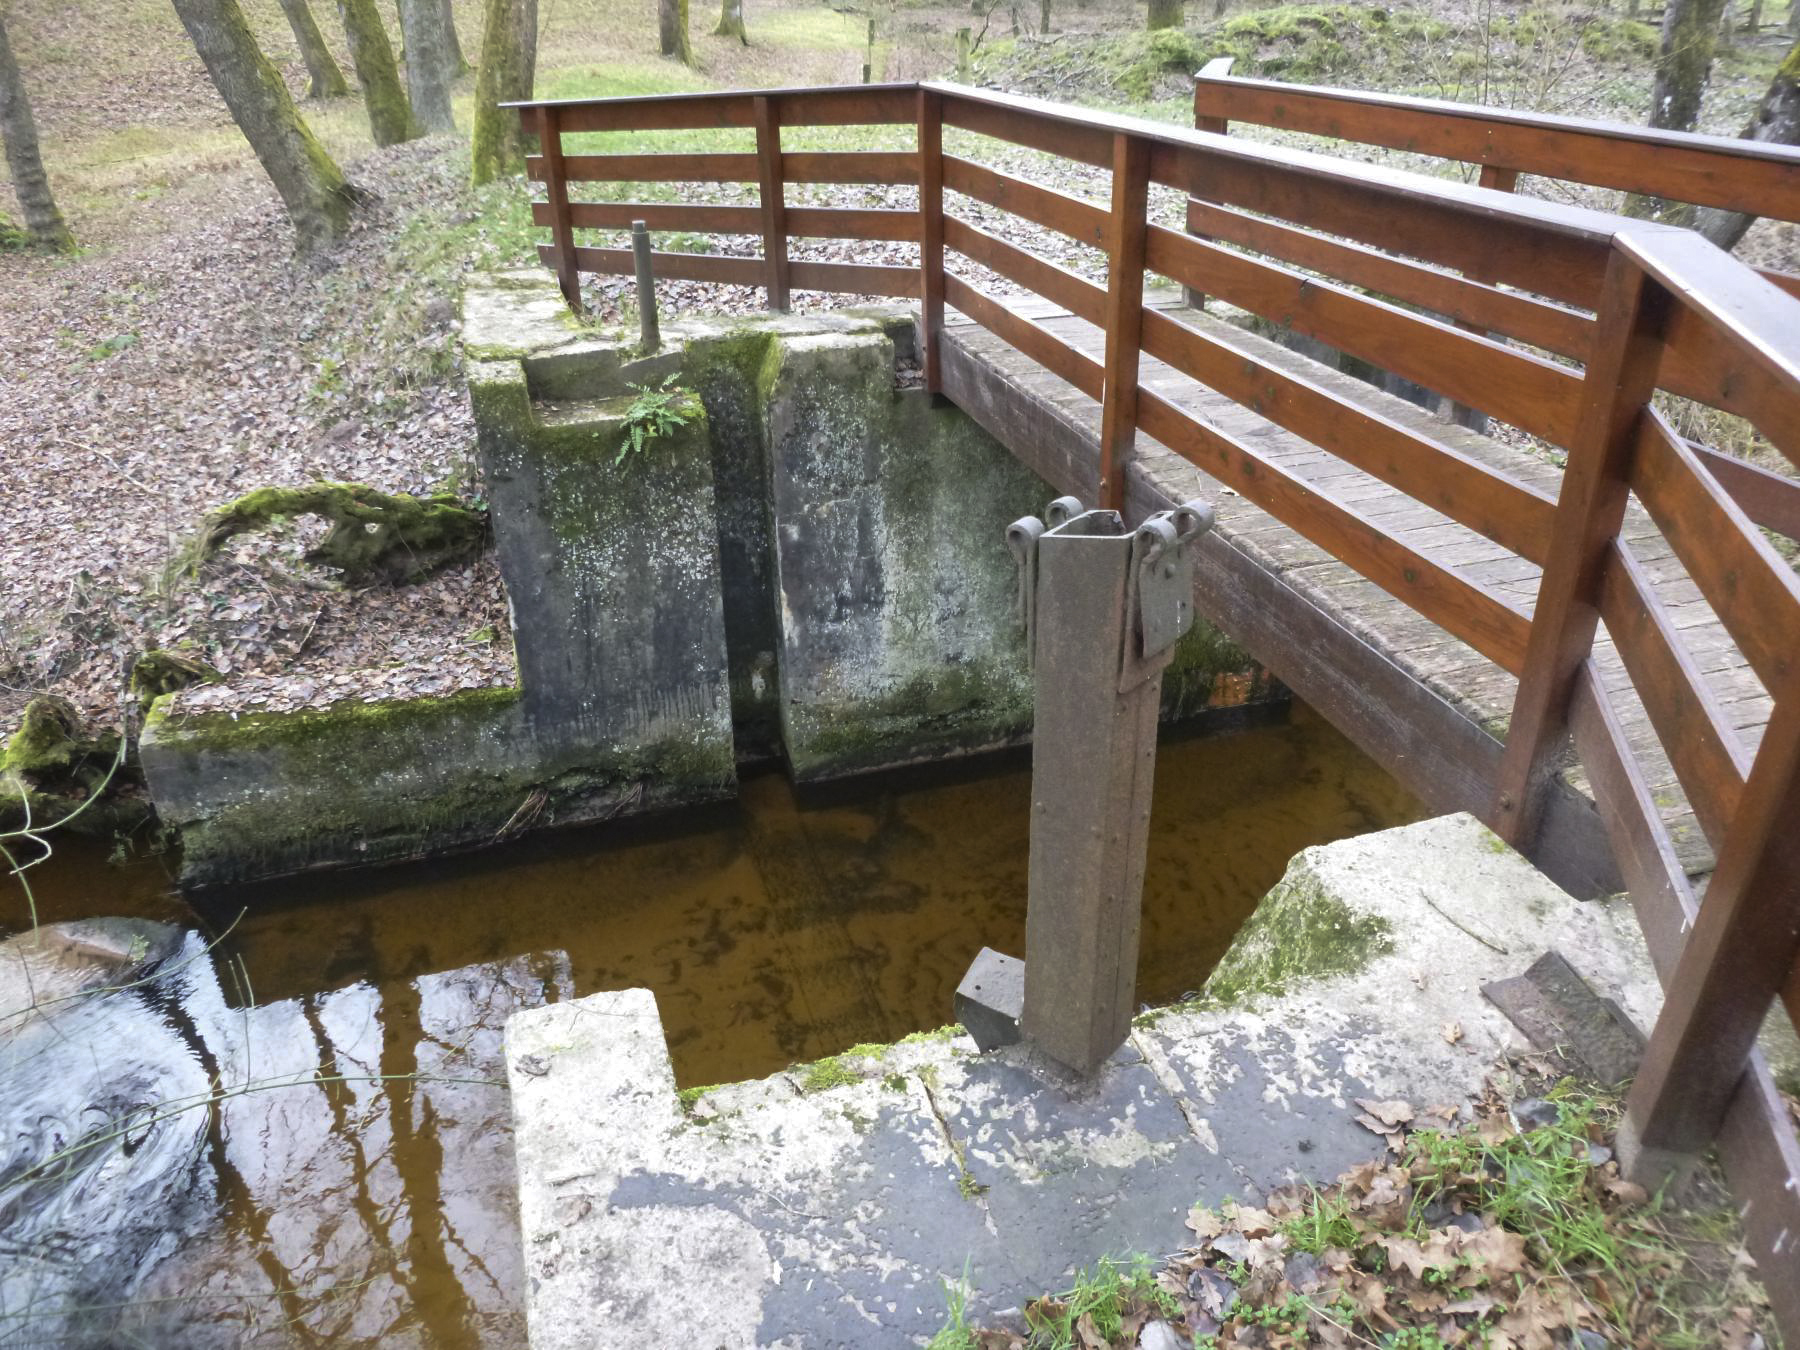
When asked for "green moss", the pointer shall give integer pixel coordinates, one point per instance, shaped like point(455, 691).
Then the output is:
point(53, 764)
point(1299, 932)
point(944, 1033)
point(824, 1074)
point(333, 730)
point(973, 706)
point(380, 781)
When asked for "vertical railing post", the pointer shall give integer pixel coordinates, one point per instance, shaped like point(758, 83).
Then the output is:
point(1499, 180)
point(1733, 965)
point(931, 237)
point(1124, 313)
point(1219, 65)
point(1619, 380)
point(774, 201)
point(556, 188)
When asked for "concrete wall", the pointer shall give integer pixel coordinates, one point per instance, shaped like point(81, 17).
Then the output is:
point(813, 566)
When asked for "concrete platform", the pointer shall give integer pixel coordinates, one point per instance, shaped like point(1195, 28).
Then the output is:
point(829, 1205)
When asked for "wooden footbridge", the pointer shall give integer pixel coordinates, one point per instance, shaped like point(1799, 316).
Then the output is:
point(1461, 605)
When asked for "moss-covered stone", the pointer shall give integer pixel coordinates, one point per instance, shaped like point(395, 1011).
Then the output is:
point(374, 535)
point(371, 782)
point(1299, 932)
point(54, 767)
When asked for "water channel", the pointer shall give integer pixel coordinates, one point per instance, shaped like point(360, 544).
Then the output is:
point(299, 1133)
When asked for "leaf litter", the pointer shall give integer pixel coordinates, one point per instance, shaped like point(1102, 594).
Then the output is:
point(1512, 1230)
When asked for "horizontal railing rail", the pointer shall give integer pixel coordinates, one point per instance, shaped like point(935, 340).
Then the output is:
point(1610, 313)
point(1733, 174)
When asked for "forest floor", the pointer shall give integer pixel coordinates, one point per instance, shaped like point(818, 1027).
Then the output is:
point(183, 358)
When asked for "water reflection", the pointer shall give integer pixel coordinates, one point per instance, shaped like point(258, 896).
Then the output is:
point(298, 1133)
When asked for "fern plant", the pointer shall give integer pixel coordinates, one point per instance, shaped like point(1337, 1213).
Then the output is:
point(652, 413)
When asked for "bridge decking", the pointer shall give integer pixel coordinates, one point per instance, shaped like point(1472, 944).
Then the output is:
point(1340, 641)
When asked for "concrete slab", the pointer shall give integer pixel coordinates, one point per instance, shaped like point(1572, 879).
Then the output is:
point(830, 1205)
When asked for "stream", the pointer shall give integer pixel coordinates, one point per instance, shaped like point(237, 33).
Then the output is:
point(278, 1117)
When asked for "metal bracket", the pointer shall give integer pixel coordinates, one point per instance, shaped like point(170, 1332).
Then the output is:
point(1022, 539)
point(1161, 583)
point(1160, 603)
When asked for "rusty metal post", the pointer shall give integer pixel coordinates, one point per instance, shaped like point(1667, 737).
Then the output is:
point(1103, 608)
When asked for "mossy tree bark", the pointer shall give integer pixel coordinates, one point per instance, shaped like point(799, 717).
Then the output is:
point(427, 63)
point(731, 21)
point(30, 183)
point(1776, 122)
point(1684, 63)
point(508, 59)
point(312, 187)
point(1164, 14)
point(672, 29)
point(391, 117)
point(324, 78)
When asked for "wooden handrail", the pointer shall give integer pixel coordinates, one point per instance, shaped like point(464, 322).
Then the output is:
point(1640, 306)
point(1737, 175)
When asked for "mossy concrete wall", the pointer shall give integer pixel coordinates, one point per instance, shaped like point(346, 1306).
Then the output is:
point(812, 566)
point(611, 562)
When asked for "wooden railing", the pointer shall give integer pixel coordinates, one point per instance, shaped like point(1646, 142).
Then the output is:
point(1606, 312)
point(1756, 177)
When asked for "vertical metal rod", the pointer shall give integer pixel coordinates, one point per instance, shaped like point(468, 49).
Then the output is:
point(649, 332)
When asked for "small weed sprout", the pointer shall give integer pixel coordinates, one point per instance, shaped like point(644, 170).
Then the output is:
point(653, 413)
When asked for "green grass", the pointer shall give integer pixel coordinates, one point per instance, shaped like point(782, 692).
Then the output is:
point(1103, 1294)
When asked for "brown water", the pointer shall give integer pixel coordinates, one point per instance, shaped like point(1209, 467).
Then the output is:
point(354, 1186)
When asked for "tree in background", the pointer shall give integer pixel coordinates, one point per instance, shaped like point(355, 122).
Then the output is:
point(672, 29)
point(324, 77)
point(391, 117)
point(1777, 122)
point(428, 69)
point(459, 64)
point(30, 183)
point(1164, 14)
point(318, 198)
point(731, 21)
point(508, 66)
point(1684, 63)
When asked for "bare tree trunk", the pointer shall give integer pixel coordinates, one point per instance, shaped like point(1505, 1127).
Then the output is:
point(500, 142)
point(1684, 63)
point(30, 183)
point(731, 21)
point(311, 185)
point(428, 63)
point(390, 115)
point(672, 28)
point(527, 12)
point(1794, 18)
point(459, 64)
point(1727, 31)
point(1043, 16)
point(1164, 14)
point(325, 80)
point(1753, 24)
point(1776, 122)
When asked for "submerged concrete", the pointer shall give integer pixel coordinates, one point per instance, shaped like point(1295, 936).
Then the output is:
point(832, 1205)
